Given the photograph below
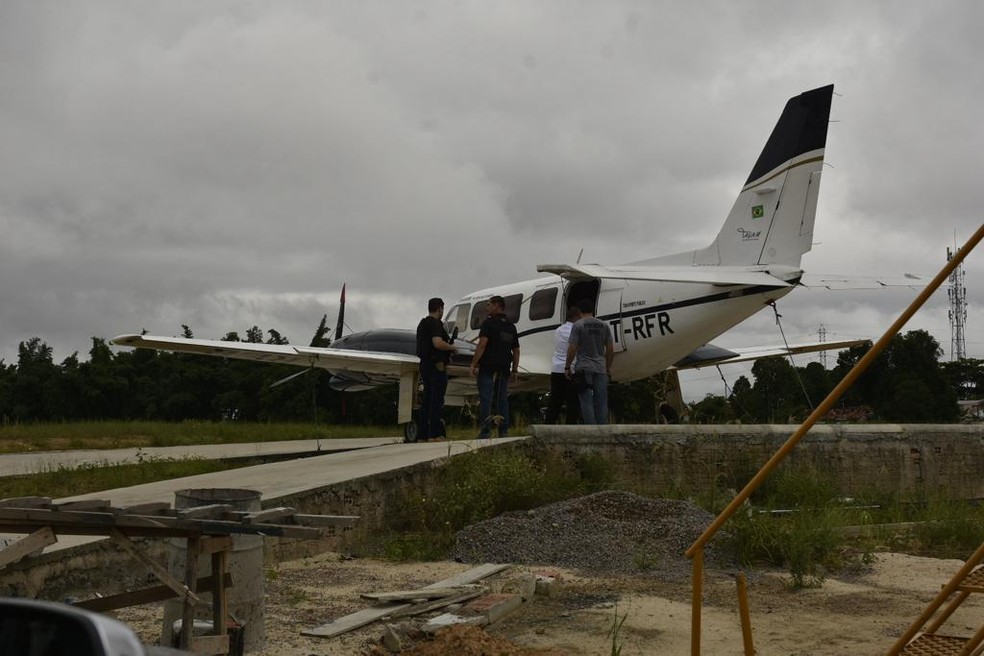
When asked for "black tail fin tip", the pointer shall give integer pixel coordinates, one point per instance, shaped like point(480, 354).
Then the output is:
point(801, 129)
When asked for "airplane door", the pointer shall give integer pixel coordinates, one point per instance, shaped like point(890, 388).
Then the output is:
point(609, 310)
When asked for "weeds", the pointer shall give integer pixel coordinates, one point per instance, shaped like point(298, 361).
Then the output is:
point(125, 434)
point(480, 485)
point(616, 631)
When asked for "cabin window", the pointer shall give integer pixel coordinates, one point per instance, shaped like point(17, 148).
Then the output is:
point(461, 318)
point(478, 315)
point(543, 304)
point(457, 316)
point(513, 305)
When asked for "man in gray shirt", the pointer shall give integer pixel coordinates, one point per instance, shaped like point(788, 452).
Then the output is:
point(591, 343)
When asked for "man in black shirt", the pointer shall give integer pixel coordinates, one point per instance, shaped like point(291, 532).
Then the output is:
point(496, 360)
point(434, 348)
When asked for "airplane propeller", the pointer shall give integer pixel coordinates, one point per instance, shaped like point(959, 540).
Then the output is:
point(341, 315)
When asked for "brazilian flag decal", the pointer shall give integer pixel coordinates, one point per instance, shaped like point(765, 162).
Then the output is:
point(758, 211)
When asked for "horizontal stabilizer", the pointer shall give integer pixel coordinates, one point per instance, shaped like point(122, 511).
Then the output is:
point(824, 281)
point(710, 355)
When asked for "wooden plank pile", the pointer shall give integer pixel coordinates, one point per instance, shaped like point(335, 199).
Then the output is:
point(207, 529)
point(400, 604)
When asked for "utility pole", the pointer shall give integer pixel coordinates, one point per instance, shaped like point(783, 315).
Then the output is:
point(958, 309)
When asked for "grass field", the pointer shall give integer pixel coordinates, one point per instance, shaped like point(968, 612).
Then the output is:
point(19, 438)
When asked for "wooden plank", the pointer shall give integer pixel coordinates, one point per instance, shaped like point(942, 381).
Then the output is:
point(427, 606)
point(471, 575)
point(95, 505)
point(211, 644)
point(151, 508)
point(143, 596)
point(220, 601)
point(212, 511)
point(265, 516)
point(327, 520)
point(187, 607)
point(421, 593)
point(27, 545)
point(369, 615)
point(215, 544)
point(14, 520)
point(26, 502)
point(166, 578)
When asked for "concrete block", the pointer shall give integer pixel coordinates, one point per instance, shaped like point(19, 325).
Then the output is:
point(392, 640)
point(493, 607)
point(548, 583)
point(445, 620)
point(527, 586)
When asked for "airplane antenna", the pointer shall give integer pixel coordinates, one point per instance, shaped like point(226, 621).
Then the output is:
point(579, 256)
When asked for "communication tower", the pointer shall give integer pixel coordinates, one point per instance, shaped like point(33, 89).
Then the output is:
point(822, 334)
point(958, 310)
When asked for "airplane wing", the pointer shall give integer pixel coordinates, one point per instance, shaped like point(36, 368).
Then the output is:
point(832, 281)
point(335, 360)
point(714, 275)
point(710, 355)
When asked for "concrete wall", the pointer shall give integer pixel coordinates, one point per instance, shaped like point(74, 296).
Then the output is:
point(908, 460)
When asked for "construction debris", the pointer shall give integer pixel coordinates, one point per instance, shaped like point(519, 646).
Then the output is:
point(375, 613)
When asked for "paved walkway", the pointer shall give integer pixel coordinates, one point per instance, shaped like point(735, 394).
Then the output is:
point(281, 479)
point(15, 464)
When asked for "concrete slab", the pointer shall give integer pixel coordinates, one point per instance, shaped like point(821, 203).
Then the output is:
point(286, 478)
point(17, 464)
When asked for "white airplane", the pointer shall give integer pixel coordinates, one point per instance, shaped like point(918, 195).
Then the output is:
point(662, 312)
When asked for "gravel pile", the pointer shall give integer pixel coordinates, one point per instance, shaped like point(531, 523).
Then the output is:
point(610, 531)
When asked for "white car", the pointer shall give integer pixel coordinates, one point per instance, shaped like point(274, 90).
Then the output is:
point(30, 627)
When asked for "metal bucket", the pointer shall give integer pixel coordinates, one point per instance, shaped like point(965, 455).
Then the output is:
point(244, 564)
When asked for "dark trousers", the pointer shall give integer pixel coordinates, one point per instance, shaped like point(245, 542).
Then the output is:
point(594, 398)
point(493, 402)
point(431, 400)
point(562, 394)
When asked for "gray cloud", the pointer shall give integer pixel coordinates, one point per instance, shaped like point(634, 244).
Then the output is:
point(229, 164)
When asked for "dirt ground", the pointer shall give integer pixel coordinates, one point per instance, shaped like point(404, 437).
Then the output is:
point(861, 612)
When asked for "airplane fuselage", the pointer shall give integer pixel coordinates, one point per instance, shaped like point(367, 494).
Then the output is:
point(653, 324)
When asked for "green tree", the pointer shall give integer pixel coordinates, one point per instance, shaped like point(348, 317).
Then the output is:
point(776, 395)
point(34, 392)
point(966, 377)
point(905, 383)
point(712, 409)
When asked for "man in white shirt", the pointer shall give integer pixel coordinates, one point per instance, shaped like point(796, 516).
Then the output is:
point(562, 392)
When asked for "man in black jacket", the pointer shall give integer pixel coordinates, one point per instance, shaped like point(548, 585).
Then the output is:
point(434, 348)
point(495, 362)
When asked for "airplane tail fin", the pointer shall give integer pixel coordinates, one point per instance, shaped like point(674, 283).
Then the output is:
point(772, 219)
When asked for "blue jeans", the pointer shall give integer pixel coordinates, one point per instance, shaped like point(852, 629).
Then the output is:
point(431, 400)
point(493, 402)
point(594, 398)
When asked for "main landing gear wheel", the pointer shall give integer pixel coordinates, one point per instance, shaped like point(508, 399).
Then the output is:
point(410, 431)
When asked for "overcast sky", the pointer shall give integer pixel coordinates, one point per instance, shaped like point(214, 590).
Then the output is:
point(230, 164)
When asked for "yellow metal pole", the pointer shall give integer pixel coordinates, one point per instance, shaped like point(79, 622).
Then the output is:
point(821, 410)
point(937, 601)
point(746, 619)
point(696, 600)
point(841, 387)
